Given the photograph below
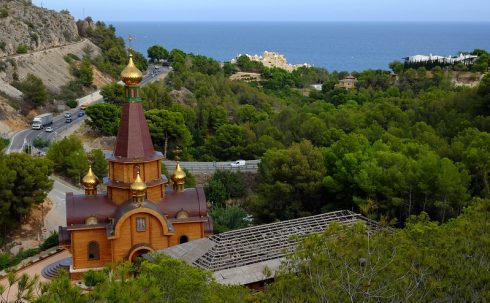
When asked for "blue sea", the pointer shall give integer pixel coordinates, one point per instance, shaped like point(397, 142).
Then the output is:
point(342, 46)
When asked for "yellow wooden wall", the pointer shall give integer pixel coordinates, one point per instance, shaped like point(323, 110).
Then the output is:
point(79, 247)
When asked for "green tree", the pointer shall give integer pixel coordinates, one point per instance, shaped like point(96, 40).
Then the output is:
point(155, 96)
point(289, 183)
point(85, 73)
point(113, 93)
point(103, 118)
point(228, 218)
point(69, 158)
point(351, 263)
point(157, 53)
point(33, 90)
point(396, 67)
point(229, 142)
point(99, 164)
point(24, 182)
point(168, 130)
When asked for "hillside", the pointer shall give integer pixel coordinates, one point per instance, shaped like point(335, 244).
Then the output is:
point(49, 65)
point(24, 24)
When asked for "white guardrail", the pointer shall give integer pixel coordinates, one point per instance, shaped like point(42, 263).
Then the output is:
point(250, 166)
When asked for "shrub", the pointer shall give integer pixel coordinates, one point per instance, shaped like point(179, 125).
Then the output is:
point(4, 13)
point(39, 142)
point(22, 49)
point(4, 143)
point(51, 241)
point(92, 278)
point(69, 58)
point(71, 103)
point(3, 45)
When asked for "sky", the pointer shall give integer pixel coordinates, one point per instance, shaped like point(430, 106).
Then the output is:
point(276, 10)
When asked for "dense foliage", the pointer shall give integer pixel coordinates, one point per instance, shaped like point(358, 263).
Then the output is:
point(71, 160)
point(424, 262)
point(390, 148)
point(162, 280)
point(24, 182)
point(114, 55)
point(33, 90)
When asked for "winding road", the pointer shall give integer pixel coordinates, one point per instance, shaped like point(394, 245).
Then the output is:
point(27, 136)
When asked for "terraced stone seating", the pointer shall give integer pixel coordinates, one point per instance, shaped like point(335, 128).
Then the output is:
point(53, 270)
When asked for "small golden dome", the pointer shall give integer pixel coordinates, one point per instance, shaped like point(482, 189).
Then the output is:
point(138, 184)
point(179, 175)
point(182, 214)
point(90, 181)
point(131, 75)
point(91, 221)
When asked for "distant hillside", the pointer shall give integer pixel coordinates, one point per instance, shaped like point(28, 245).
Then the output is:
point(25, 28)
point(37, 41)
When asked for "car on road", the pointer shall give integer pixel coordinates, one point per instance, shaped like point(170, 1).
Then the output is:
point(81, 113)
point(67, 115)
point(48, 129)
point(238, 163)
point(68, 120)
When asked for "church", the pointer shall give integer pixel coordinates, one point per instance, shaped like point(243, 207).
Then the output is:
point(140, 212)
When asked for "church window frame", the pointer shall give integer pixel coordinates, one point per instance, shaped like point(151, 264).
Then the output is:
point(93, 250)
point(140, 224)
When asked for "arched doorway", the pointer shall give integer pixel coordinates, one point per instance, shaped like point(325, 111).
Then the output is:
point(138, 252)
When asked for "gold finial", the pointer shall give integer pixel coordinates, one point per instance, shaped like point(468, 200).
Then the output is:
point(138, 184)
point(90, 181)
point(131, 75)
point(178, 178)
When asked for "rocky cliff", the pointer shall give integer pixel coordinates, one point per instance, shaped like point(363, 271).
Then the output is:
point(26, 28)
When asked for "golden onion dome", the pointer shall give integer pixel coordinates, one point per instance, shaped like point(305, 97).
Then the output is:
point(91, 221)
point(179, 175)
point(182, 214)
point(90, 181)
point(138, 185)
point(131, 75)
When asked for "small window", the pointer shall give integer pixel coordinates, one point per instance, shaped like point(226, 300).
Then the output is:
point(140, 224)
point(184, 239)
point(93, 250)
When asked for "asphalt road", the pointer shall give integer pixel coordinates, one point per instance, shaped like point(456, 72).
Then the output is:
point(27, 136)
point(57, 214)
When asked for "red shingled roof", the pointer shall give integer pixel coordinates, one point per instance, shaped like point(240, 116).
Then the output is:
point(133, 138)
point(80, 207)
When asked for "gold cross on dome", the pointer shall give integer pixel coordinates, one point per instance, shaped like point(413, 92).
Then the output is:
point(130, 40)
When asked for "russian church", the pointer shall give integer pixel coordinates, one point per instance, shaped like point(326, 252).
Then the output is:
point(140, 212)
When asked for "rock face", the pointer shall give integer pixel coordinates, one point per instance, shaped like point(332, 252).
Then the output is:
point(24, 27)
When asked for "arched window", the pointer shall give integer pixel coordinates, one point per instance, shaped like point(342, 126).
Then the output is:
point(93, 250)
point(184, 239)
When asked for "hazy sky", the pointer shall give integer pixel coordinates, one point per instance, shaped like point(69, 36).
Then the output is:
point(276, 10)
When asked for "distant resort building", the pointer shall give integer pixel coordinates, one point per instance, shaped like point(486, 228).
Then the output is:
point(273, 59)
point(348, 82)
point(465, 59)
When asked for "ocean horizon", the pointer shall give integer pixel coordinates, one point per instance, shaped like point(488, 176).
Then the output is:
point(342, 46)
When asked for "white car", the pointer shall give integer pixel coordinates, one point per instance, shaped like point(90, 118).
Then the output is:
point(48, 129)
point(238, 163)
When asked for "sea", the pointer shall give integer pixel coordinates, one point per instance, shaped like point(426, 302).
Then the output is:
point(341, 46)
